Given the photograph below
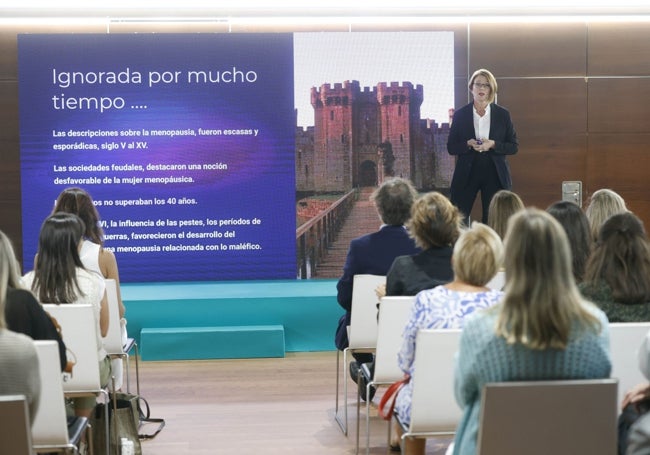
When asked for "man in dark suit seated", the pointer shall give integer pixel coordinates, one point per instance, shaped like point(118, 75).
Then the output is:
point(374, 253)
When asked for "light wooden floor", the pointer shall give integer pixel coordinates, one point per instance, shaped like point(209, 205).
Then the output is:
point(254, 406)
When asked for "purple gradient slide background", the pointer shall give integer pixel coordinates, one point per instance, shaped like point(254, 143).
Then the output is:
point(259, 181)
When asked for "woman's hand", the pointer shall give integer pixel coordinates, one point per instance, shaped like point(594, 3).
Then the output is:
point(636, 394)
point(380, 291)
point(481, 145)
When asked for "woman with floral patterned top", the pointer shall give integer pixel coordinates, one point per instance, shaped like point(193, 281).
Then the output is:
point(477, 256)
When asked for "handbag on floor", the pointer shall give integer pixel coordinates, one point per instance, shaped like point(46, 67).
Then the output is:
point(144, 416)
point(123, 424)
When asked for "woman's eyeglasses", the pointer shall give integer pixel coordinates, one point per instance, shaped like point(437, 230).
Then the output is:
point(479, 85)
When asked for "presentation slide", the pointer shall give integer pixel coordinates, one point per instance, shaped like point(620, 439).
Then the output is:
point(184, 141)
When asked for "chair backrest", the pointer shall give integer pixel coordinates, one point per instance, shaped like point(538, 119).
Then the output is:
point(433, 406)
point(113, 338)
point(79, 332)
point(498, 281)
point(363, 317)
point(548, 417)
point(625, 338)
point(393, 315)
point(50, 425)
point(15, 432)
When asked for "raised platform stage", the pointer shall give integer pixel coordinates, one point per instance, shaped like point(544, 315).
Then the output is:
point(215, 320)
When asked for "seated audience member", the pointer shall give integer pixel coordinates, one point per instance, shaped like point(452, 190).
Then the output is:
point(541, 330)
point(576, 225)
point(93, 255)
point(374, 253)
point(478, 254)
point(603, 204)
point(19, 367)
point(617, 277)
point(435, 225)
point(503, 205)
point(23, 313)
point(59, 277)
point(634, 421)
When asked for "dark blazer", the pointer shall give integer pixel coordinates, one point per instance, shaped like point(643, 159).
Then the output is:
point(370, 254)
point(502, 132)
point(412, 274)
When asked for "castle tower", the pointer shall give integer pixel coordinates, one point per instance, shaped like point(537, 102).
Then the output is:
point(304, 158)
point(399, 113)
point(333, 122)
point(342, 150)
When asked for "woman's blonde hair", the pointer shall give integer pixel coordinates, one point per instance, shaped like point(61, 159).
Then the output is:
point(494, 87)
point(9, 273)
point(503, 205)
point(603, 204)
point(435, 221)
point(541, 302)
point(478, 254)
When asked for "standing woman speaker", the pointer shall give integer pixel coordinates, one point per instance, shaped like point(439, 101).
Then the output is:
point(481, 136)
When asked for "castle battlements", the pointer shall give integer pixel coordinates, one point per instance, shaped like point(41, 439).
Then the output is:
point(345, 93)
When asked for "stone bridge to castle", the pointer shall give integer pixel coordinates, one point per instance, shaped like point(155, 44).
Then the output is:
point(363, 219)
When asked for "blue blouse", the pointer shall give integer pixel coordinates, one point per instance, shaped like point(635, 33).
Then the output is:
point(437, 308)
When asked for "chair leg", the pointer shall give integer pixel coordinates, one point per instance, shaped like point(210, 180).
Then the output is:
point(114, 403)
point(368, 419)
point(338, 365)
point(343, 424)
point(358, 407)
point(390, 428)
point(125, 359)
point(137, 370)
point(89, 440)
point(106, 417)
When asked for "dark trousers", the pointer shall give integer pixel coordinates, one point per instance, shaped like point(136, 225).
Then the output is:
point(484, 178)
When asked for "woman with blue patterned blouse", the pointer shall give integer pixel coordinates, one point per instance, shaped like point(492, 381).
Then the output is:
point(477, 256)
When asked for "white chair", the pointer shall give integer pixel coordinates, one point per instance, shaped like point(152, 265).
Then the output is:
point(393, 315)
point(79, 331)
point(624, 341)
point(498, 281)
point(15, 432)
point(362, 335)
point(50, 430)
point(434, 411)
point(548, 417)
point(114, 342)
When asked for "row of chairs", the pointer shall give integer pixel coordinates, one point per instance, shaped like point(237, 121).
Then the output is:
point(434, 410)
point(51, 430)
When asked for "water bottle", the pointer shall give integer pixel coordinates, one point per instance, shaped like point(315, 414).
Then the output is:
point(126, 448)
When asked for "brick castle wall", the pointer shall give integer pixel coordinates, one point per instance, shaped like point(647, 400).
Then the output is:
point(340, 151)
